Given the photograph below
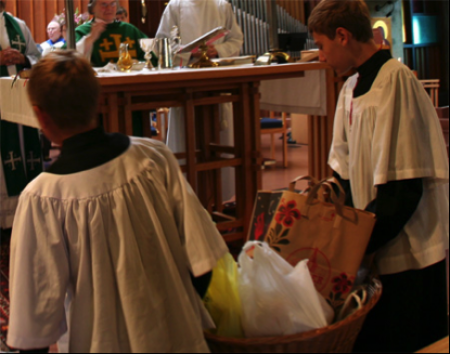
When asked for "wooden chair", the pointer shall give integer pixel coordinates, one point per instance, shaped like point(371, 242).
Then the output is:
point(432, 87)
point(274, 126)
point(442, 113)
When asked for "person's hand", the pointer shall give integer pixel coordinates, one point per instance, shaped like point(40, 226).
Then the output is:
point(98, 27)
point(10, 56)
point(212, 52)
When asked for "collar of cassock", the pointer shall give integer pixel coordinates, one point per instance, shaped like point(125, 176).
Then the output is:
point(89, 150)
point(83, 141)
point(369, 71)
point(60, 39)
point(375, 63)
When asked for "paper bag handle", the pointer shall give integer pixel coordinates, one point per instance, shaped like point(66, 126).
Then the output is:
point(359, 295)
point(338, 202)
point(329, 183)
point(312, 182)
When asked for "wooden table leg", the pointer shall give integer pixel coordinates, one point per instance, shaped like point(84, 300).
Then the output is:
point(217, 174)
point(128, 115)
point(249, 180)
point(112, 124)
point(189, 117)
point(203, 135)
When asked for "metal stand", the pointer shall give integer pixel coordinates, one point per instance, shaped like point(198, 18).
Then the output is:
point(275, 55)
point(204, 61)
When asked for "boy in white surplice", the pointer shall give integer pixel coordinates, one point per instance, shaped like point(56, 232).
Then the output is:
point(113, 226)
point(389, 151)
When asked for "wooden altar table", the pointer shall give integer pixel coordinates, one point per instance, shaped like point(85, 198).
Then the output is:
point(200, 92)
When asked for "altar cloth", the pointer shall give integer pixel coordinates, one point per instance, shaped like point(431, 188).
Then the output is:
point(302, 95)
point(14, 103)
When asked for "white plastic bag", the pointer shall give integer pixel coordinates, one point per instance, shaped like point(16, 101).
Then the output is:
point(278, 299)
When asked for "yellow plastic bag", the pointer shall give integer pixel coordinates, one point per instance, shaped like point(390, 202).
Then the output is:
point(222, 299)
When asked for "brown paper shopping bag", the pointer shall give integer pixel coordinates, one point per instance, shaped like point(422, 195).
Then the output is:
point(332, 236)
point(266, 204)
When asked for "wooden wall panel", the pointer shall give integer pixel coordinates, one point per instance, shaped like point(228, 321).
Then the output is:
point(38, 13)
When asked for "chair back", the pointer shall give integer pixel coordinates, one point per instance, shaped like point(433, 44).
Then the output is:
point(432, 87)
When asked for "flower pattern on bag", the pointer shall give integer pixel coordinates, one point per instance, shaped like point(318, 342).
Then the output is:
point(285, 217)
point(287, 214)
point(259, 227)
point(342, 285)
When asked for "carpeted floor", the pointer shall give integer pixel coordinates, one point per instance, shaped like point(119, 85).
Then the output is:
point(4, 288)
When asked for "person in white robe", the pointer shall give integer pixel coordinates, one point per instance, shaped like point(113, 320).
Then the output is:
point(389, 153)
point(13, 58)
point(55, 38)
point(194, 18)
point(112, 226)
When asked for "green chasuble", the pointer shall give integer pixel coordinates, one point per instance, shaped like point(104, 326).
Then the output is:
point(106, 48)
point(17, 40)
point(18, 170)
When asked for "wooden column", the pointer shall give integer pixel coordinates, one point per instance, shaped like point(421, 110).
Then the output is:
point(321, 132)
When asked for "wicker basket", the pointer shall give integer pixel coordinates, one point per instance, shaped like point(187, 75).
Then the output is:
point(337, 338)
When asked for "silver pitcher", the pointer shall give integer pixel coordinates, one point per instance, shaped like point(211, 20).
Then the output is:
point(165, 53)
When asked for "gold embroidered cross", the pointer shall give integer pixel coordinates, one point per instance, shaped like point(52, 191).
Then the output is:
point(106, 44)
point(130, 43)
point(106, 55)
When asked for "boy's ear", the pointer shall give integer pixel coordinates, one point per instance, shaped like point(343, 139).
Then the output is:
point(42, 117)
point(343, 35)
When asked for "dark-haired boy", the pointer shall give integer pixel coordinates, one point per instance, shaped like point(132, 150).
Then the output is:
point(388, 150)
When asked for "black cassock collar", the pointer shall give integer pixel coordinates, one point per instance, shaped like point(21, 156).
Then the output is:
point(368, 72)
point(89, 150)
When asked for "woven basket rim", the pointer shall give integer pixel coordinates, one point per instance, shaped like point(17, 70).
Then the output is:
point(376, 284)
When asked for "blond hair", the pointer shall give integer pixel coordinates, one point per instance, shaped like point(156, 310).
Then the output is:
point(353, 15)
point(63, 84)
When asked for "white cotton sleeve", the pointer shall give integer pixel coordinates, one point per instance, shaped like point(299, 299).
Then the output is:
point(39, 275)
point(408, 141)
point(81, 48)
point(203, 243)
point(339, 152)
point(233, 41)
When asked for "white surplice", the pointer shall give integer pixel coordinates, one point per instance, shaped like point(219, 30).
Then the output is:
point(194, 18)
point(392, 133)
point(119, 240)
point(8, 204)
